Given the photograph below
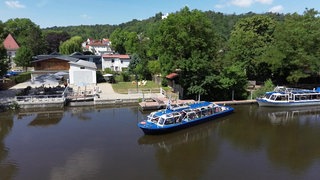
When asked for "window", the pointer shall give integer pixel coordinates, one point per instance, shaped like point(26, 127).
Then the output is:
point(82, 67)
point(121, 61)
point(112, 60)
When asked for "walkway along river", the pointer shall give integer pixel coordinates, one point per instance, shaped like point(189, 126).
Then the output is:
point(105, 143)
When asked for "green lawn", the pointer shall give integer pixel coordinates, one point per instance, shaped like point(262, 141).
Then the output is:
point(122, 87)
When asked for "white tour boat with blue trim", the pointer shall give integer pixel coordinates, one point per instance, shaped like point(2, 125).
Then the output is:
point(176, 118)
point(283, 97)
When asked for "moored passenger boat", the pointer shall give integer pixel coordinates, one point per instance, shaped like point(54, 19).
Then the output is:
point(282, 96)
point(172, 119)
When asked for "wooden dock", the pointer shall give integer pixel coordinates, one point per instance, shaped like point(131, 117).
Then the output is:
point(236, 102)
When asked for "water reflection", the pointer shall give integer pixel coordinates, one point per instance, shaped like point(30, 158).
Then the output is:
point(8, 168)
point(99, 142)
point(287, 135)
point(185, 151)
point(303, 115)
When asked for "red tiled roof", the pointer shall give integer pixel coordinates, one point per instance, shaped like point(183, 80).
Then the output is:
point(10, 44)
point(120, 56)
point(172, 75)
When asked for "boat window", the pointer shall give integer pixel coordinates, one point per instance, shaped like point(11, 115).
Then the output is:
point(191, 115)
point(273, 97)
point(161, 120)
point(169, 121)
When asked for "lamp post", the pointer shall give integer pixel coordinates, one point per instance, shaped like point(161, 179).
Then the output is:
point(136, 76)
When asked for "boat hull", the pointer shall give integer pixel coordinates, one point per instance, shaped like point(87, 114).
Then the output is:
point(263, 102)
point(156, 130)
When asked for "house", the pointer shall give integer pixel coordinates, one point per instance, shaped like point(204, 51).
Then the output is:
point(97, 47)
point(82, 73)
point(115, 62)
point(11, 46)
point(50, 64)
point(91, 58)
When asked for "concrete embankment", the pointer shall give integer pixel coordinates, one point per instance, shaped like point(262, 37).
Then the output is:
point(106, 96)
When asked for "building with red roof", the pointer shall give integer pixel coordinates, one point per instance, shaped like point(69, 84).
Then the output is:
point(115, 62)
point(11, 45)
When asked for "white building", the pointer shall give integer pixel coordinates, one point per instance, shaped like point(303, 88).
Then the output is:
point(82, 73)
point(97, 47)
point(115, 62)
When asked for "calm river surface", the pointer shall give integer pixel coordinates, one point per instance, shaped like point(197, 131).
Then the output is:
point(85, 143)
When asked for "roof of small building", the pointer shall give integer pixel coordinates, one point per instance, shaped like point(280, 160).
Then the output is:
point(172, 75)
point(60, 57)
point(120, 56)
point(85, 64)
point(10, 43)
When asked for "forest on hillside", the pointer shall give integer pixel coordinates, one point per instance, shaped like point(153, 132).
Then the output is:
point(214, 53)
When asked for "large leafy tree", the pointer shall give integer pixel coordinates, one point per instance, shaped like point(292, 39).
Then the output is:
point(186, 41)
point(23, 57)
point(27, 34)
point(249, 39)
point(54, 39)
point(72, 45)
point(118, 38)
point(4, 63)
point(296, 52)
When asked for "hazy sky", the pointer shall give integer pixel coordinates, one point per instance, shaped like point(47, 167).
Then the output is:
point(48, 13)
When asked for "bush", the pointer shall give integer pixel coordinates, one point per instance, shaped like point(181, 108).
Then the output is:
point(25, 76)
point(268, 86)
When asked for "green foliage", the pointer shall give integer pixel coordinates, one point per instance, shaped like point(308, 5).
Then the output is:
point(72, 45)
point(27, 34)
point(268, 86)
point(249, 39)
point(23, 57)
point(154, 67)
point(125, 76)
point(295, 53)
point(53, 40)
point(22, 77)
point(4, 63)
point(187, 41)
point(118, 38)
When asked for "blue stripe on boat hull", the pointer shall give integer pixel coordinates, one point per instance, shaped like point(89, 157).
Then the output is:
point(262, 102)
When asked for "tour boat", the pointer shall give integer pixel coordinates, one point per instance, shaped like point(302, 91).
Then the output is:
point(176, 118)
point(283, 96)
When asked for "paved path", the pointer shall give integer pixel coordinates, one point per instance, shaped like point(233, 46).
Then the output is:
point(107, 92)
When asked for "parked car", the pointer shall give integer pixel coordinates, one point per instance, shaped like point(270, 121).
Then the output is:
point(12, 73)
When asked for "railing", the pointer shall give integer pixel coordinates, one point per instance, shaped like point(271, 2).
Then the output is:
point(40, 99)
point(145, 91)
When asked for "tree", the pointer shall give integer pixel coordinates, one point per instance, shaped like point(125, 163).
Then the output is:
point(295, 53)
point(27, 34)
point(23, 57)
point(72, 45)
point(187, 41)
point(54, 39)
point(4, 63)
point(250, 38)
point(118, 39)
point(138, 66)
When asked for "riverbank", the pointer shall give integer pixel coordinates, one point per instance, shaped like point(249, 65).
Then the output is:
point(105, 96)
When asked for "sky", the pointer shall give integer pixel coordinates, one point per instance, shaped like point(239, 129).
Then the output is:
point(49, 13)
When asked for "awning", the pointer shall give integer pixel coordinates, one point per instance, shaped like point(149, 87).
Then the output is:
point(172, 75)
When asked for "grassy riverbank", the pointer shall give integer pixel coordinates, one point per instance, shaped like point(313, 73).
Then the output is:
point(123, 87)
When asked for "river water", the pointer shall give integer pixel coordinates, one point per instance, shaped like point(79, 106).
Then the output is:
point(105, 143)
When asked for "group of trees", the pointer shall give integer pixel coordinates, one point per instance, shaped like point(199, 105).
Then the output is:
point(213, 53)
